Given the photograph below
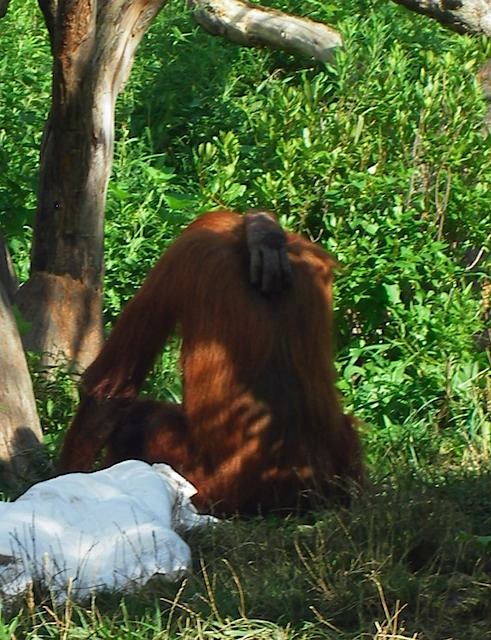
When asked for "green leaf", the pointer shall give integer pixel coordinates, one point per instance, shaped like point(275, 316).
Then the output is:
point(393, 292)
point(178, 201)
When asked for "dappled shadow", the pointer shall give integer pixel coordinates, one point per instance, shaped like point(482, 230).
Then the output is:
point(408, 540)
point(29, 463)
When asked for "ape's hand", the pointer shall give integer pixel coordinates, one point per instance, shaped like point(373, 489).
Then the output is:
point(270, 268)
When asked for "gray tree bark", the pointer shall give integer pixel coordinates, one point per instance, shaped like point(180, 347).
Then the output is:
point(252, 25)
point(462, 16)
point(8, 278)
point(93, 45)
point(20, 430)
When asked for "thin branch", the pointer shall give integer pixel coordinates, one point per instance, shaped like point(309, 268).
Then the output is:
point(463, 16)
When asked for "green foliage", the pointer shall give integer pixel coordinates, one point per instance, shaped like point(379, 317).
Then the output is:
point(403, 562)
point(56, 400)
point(380, 156)
point(140, 222)
point(25, 70)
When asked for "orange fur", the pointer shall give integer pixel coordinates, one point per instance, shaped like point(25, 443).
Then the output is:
point(261, 424)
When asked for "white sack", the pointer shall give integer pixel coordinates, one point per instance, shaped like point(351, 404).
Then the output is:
point(87, 532)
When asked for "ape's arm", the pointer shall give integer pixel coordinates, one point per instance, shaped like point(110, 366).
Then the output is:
point(148, 319)
point(139, 334)
point(116, 375)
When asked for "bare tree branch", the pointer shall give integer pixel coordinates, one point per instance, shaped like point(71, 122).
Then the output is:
point(462, 16)
point(253, 25)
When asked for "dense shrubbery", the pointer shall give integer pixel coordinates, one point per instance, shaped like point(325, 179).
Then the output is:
point(381, 157)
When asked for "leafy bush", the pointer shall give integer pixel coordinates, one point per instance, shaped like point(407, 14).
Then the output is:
point(380, 156)
point(25, 89)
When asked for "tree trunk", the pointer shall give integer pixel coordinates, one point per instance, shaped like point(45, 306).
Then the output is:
point(93, 45)
point(252, 25)
point(20, 431)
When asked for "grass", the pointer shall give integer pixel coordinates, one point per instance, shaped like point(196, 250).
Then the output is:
point(406, 560)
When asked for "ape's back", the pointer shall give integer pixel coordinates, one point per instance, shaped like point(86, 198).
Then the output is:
point(258, 376)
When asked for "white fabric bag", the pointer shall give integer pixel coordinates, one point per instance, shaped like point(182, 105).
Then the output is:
point(85, 532)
